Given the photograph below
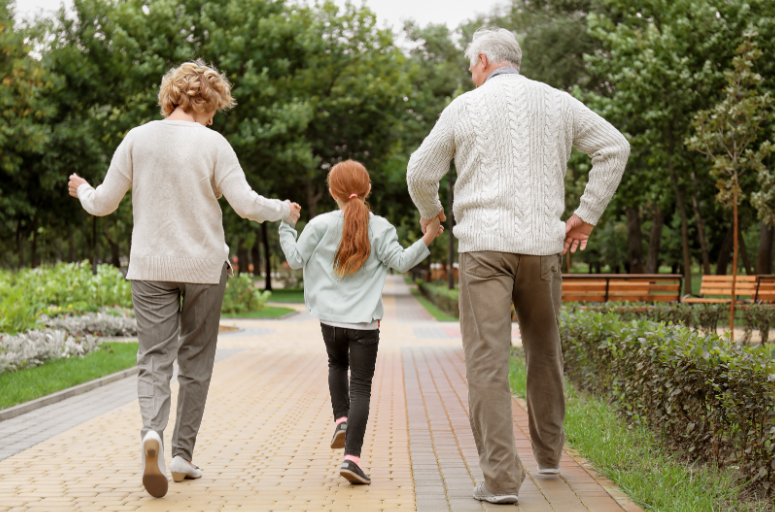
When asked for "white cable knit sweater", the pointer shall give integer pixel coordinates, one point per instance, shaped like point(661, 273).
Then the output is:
point(511, 139)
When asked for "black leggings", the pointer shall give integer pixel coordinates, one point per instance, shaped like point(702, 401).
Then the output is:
point(357, 350)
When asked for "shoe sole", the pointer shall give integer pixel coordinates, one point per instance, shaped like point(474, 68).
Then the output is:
point(179, 477)
point(339, 440)
point(499, 500)
point(354, 478)
point(153, 480)
point(549, 471)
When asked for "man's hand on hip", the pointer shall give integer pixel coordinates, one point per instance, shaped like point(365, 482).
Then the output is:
point(576, 234)
point(424, 222)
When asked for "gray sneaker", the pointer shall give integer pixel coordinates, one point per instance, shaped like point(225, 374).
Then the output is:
point(482, 494)
point(548, 471)
point(340, 435)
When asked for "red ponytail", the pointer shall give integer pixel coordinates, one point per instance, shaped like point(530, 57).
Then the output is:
point(349, 181)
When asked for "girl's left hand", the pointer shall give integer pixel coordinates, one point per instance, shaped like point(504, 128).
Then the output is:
point(75, 182)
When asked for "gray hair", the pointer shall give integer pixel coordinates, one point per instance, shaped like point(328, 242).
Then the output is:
point(498, 44)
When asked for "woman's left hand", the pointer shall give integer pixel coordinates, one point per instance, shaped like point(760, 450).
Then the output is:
point(75, 182)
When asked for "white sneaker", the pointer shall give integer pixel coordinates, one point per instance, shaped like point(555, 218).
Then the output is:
point(154, 472)
point(182, 469)
point(482, 494)
point(548, 471)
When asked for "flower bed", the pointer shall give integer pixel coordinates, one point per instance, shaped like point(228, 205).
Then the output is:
point(711, 398)
point(36, 347)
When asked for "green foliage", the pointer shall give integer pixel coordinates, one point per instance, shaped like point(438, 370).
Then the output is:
point(758, 317)
point(31, 383)
point(242, 296)
point(440, 295)
point(431, 308)
point(632, 456)
point(707, 395)
point(69, 287)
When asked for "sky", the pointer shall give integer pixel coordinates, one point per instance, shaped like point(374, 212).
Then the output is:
point(391, 12)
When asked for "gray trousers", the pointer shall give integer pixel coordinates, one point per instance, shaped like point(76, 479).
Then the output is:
point(176, 320)
point(489, 282)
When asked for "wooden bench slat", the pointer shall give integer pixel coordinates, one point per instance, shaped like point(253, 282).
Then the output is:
point(583, 298)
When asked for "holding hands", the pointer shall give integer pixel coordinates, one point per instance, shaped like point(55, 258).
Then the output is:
point(432, 228)
point(295, 213)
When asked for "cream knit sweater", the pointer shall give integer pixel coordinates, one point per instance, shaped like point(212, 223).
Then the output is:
point(511, 140)
point(177, 171)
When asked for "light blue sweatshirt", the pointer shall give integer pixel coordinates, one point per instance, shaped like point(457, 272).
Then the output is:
point(356, 298)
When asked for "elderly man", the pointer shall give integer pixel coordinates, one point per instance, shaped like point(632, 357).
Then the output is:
point(511, 139)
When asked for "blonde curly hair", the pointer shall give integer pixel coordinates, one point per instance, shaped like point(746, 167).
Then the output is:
point(194, 86)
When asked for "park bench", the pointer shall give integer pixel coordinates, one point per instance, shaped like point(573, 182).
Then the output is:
point(621, 287)
point(721, 287)
point(765, 289)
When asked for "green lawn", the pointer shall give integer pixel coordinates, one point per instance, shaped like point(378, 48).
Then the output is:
point(292, 295)
point(633, 458)
point(25, 385)
point(267, 312)
point(435, 312)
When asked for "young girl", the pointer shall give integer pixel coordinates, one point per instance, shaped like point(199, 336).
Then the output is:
point(345, 255)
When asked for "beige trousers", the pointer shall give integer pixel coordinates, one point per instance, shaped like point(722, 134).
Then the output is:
point(489, 281)
point(176, 321)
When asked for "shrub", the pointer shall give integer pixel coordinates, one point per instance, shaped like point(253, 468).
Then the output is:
point(36, 347)
point(759, 317)
point(242, 296)
point(445, 299)
point(707, 395)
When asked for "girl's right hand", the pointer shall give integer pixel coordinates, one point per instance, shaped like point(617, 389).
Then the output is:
point(433, 229)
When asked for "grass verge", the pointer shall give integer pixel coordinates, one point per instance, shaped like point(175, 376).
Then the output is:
point(632, 457)
point(25, 385)
point(290, 295)
point(267, 312)
point(435, 312)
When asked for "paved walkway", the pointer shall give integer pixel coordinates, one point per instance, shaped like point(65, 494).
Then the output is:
point(263, 445)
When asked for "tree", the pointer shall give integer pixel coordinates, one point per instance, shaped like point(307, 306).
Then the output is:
point(727, 135)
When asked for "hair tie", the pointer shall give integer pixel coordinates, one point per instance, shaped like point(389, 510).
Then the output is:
point(353, 195)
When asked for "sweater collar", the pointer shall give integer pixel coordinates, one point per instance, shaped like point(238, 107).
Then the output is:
point(507, 70)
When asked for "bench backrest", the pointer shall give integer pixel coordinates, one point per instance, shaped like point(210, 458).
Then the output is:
point(722, 285)
point(766, 289)
point(621, 287)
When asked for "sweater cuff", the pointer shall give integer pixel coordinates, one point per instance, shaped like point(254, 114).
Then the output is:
point(589, 214)
point(430, 213)
point(285, 210)
point(83, 188)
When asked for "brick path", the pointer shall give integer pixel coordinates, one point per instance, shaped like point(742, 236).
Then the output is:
point(264, 441)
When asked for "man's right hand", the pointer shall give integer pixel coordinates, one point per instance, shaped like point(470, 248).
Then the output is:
point(576, 234)
point(424, 222)
point(295, 213)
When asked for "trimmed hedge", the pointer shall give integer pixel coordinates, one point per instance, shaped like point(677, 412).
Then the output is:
point(710, 397)
point(444, 298)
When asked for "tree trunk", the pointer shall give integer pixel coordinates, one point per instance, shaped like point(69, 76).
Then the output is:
point(634, 241)
point(700, 229)
point(267, 259)
point(115, 257)
point(255, 255)
point(20, 243)
point(725, 252)
point(313, 197)
point(687, 258)
point(242, 256)
point(744, 253)
point(451, 259)
point(764, 255)
point(655, 240)
point(34, 249)
point(734, 271)
point(94, 246)
point(72, 246)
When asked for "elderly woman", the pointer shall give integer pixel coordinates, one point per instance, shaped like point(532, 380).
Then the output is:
point(178, 169)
